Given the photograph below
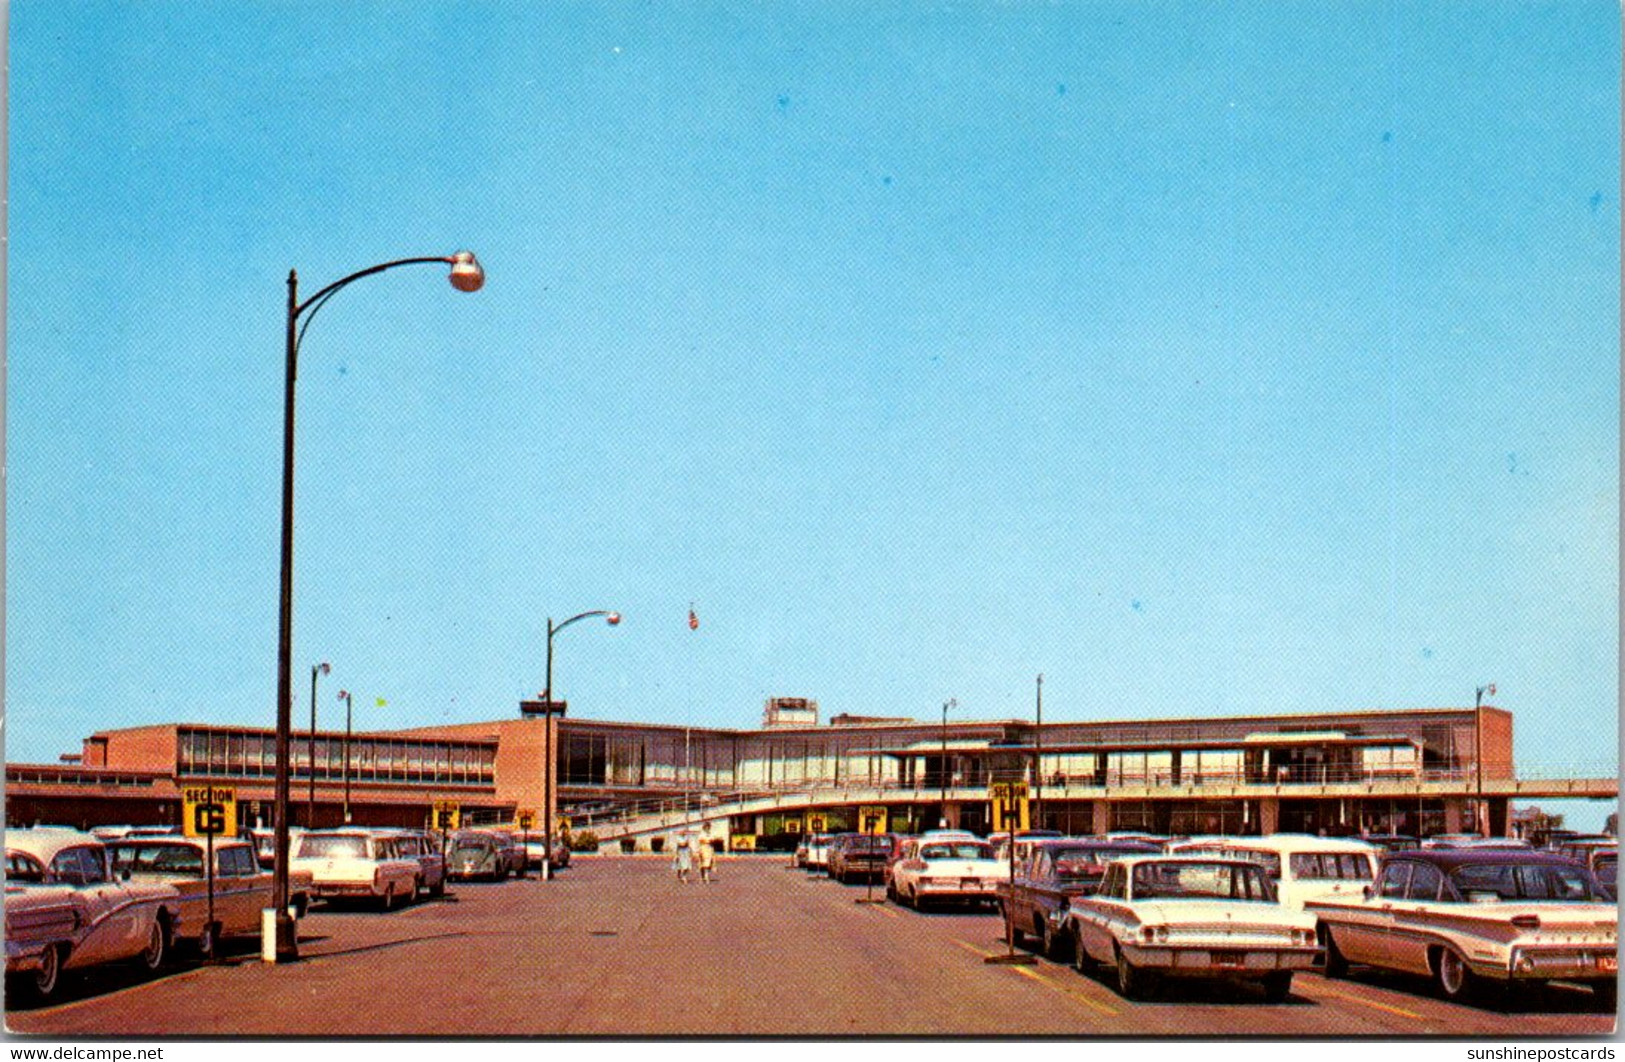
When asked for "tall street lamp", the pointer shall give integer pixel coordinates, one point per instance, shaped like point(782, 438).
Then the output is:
point(612, 618)
point(949, 703)
point(344, 695)
point(1479, 811)
point(322, 668)
point(1038, 761)
point(466, 275)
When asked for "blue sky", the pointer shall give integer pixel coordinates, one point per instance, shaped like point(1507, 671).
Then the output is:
point(1206, 358)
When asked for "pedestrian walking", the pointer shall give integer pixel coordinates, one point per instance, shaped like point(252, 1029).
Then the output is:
point(685, 857)
point(708, 860)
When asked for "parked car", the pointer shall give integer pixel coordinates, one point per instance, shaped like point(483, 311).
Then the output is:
point(536, 847)
point(66, 909)
point(1301, 866)
point(264, 842)
point(861, 857)
point(1179, 916)
point(818, 851)
point(242, 888)
point(479, 854)
point(946, 871)
point(1478, 918)
point(1392, 842)
point(1473, 840)
point(353, 863)
point(1055, 873)
point(421, 846)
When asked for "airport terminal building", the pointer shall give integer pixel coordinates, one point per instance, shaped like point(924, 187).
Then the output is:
point(1418, 771)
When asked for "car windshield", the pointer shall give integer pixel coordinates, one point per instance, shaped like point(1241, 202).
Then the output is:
point(168, 860)
point(1330, 866)
point(472, 847)
point(332, 847)
point(1491, 882)
point(1607, 866)
point(957, 850)
point(1201, 880)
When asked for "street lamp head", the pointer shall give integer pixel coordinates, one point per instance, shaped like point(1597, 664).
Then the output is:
point(613, 618)
point(324, 667)
point(344, 695)
point(466, 274)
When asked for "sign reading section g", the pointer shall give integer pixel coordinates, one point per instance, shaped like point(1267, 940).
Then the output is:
point(208, 810)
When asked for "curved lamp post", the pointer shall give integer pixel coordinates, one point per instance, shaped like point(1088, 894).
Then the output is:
point(323, 668)
point(612, 618)
point(951, 702)
point(466, 275)
point(344, 695)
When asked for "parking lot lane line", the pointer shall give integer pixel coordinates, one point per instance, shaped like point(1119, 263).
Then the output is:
point(1373, 1003)
point(1064, 990)
point(973, 949)
point(887, 911)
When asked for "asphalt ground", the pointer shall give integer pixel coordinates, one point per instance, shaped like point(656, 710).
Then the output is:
point(617, 946)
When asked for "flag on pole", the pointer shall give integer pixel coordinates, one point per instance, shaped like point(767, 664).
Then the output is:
point(693, 620)
point(382, 702)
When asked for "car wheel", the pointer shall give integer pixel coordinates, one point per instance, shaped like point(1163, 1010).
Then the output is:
point(439, 889)
point(1337, 965)
point(152, 956)
point(389, 897)
point(48, 978)
point(1455, 979)
point(301, 905)
point(1131, 980)
point(1054, 943)
point(1277, 986)
point(1080, 955)
point(417, 890)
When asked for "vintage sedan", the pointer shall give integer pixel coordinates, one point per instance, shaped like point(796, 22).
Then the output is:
point(242, 889)
point(1175, 916)
point(818, 852)
point(479, 854)
point(946, 871)
point(1055, 872)
point(861, 857)
point(353, 863)
point(66, 909)
point(422, 847)
point(1478, 919)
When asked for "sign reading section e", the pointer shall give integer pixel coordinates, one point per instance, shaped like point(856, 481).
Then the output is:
point(208, 810)
point(447, 815)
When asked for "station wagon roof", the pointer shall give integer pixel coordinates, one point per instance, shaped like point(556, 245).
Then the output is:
point(1286, 843)
point(1450, 858)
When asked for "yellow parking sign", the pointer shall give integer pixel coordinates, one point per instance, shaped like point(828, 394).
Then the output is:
point(209, 810)
point(447, 815)
point(872, 819)
point(817, 823)
point(742, 842)
point(1009, 800)
point(524, 820)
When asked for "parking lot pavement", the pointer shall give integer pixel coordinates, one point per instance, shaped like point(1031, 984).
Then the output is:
point(618, 946)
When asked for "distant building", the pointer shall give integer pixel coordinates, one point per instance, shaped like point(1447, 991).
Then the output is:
point(1412, 771)
point(789, 711)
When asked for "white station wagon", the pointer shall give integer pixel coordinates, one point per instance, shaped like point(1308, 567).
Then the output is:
point(1301, 866)
point(946, 870)
point(359, 864)
point(1191, 917)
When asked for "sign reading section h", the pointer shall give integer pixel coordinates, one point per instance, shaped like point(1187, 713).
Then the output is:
point(872, 819)
point(447, 815)
point(208, 810)
point(1009, 801)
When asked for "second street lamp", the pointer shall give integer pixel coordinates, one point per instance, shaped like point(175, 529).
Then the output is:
point(322, 668)
point(612, 618)
point(465, 275)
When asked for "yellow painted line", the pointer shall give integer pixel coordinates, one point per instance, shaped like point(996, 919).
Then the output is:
point(974, 950)
point(1373, 1003)
point(1057, 986)
point(886, 911)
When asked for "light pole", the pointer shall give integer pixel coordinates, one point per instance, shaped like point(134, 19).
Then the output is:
point(1038, 761)
point(612, 618)
point(1480, 812)
point(344, 695)
point(949, 703)
point(466, 275)
point(322, 668)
